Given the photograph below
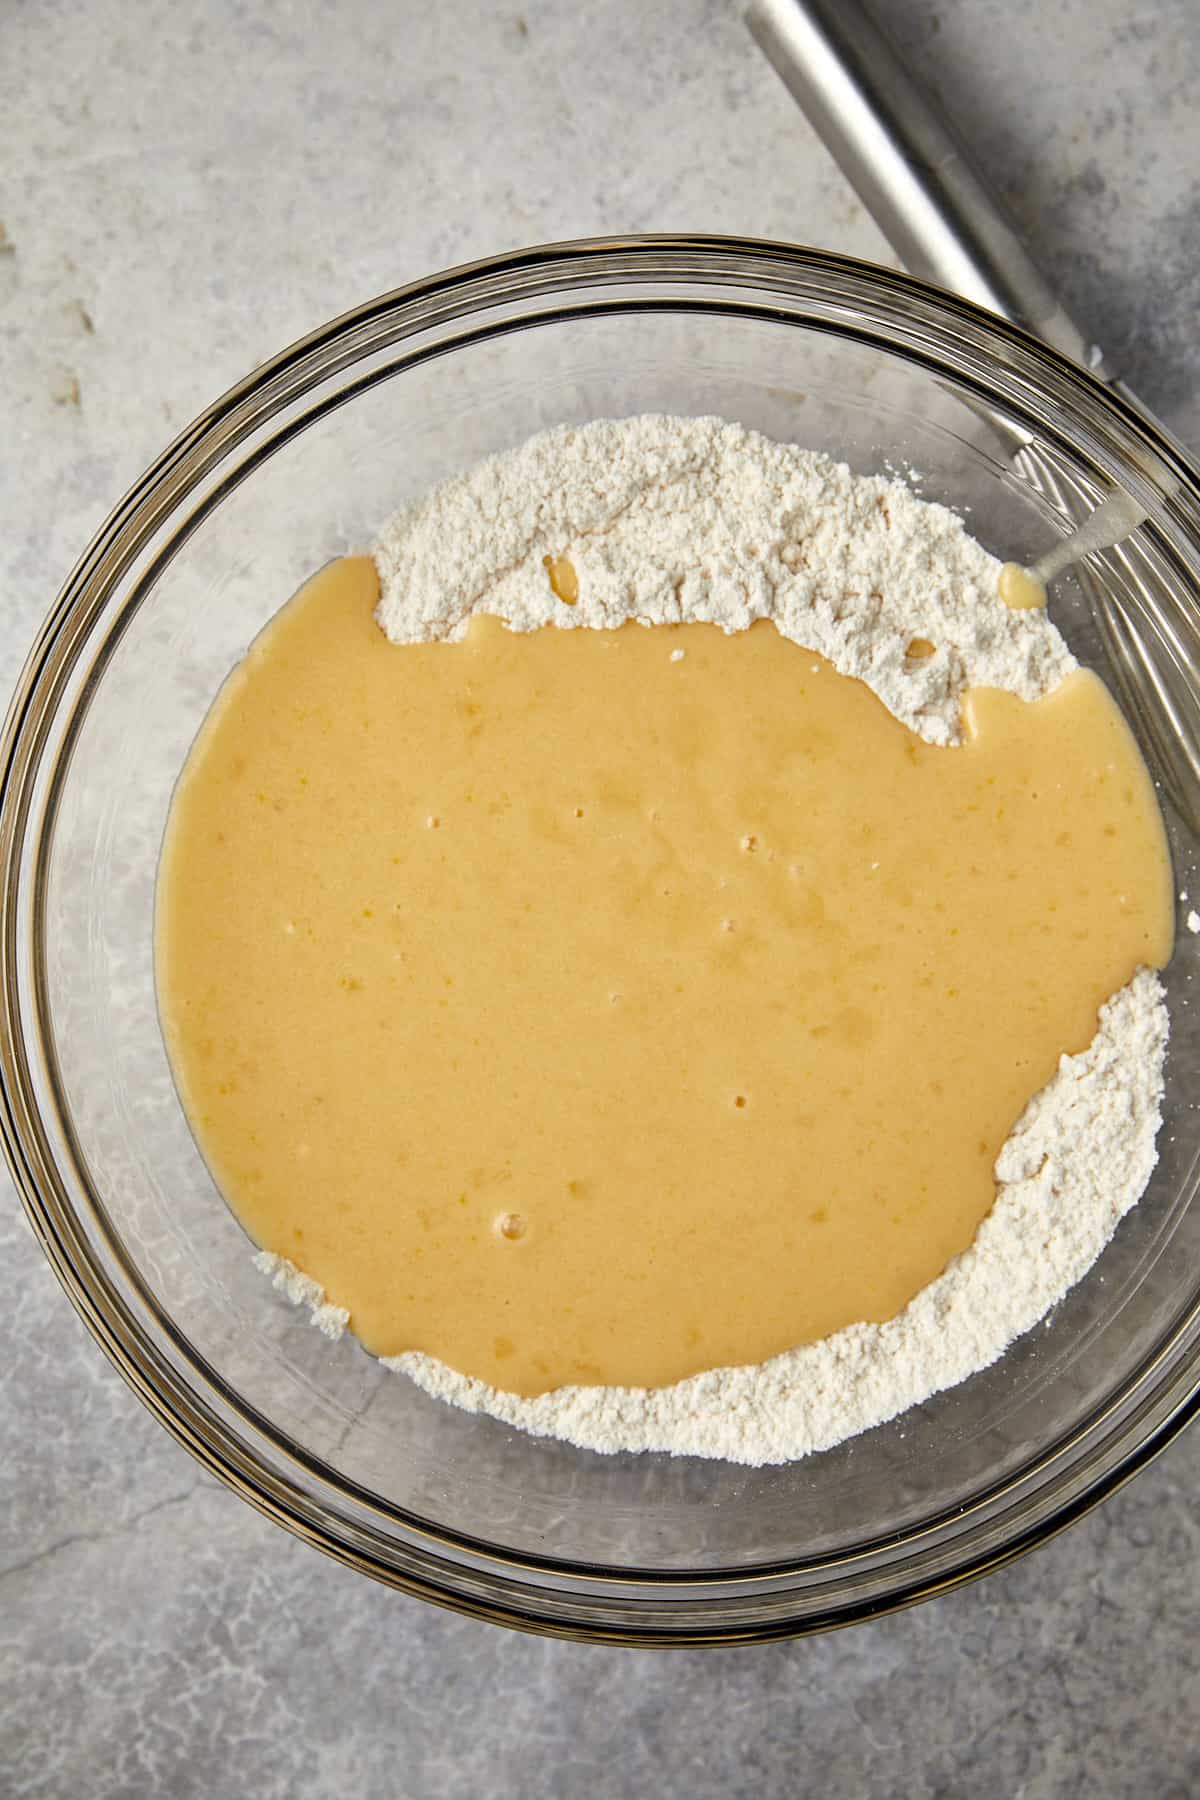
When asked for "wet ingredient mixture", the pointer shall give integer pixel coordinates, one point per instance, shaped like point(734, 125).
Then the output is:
point(602, 1007)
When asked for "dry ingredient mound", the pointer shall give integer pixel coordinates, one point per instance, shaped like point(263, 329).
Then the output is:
point(678, 519)
point(666, 520)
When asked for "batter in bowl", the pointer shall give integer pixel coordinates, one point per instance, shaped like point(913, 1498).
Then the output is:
point(590, 1009)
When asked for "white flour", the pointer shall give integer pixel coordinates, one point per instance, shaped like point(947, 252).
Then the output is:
point(667, 519)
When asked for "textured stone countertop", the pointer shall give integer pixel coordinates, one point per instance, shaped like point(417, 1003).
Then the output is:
point(187, 189)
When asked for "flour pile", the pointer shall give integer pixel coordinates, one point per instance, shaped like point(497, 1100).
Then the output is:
point(668, 520)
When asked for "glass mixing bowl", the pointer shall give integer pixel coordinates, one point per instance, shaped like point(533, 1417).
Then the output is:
point(302, 462)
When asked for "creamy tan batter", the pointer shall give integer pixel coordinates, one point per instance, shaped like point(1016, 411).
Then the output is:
point(1020, 587)
point(578, 1010)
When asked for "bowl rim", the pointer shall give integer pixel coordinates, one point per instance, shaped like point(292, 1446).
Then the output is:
point(545, 270)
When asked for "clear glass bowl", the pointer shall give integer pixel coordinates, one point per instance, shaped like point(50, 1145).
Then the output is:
point(303, 461)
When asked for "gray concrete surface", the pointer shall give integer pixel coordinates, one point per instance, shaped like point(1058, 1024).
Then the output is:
point(185, 189)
